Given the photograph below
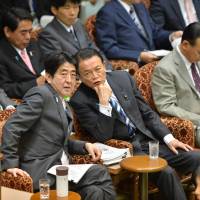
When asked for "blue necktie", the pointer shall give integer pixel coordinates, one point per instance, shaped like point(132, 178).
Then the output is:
point(131, 127)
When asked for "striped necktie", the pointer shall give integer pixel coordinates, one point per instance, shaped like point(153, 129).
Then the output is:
point(131, 127)
point(195, 76)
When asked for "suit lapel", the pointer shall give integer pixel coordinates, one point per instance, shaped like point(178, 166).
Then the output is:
point(177, 11)
point(65, 34)
point(63, 117)
point(181, 69)
point(144, 22)
point(197, 7)
point(121, 95)
point(16, 57)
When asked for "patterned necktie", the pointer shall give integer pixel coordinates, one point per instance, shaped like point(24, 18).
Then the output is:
point(131, 127)
point(136, 21)
point(189, 11)
point(195, 76)
point(27, 61)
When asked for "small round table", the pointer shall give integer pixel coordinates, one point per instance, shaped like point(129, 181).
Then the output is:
point(52, 196)
point(143, 165)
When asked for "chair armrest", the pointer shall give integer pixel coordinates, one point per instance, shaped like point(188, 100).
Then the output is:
point(83, 159)
point(23, 183)
point(119, 144)
point(125, 64)
point(182, 129)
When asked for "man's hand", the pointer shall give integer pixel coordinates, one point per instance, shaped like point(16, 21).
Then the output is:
point(148, 57)
point(93, 150)
point(40, 80)
point(17, 171)
point(175, 35)
point(104, 92)
point(174, 144)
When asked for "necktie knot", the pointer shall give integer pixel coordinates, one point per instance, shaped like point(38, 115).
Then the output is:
point(131, 9)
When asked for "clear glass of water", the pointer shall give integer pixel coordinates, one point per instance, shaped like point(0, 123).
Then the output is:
point(44, 189)
point(153, 149)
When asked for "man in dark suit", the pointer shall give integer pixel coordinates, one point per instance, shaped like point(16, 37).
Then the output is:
point(125, 30)
point(173, 14)
point(65, 32)
point(5, 101)
point(37, 134)
point(20, 61)
point(110, 106)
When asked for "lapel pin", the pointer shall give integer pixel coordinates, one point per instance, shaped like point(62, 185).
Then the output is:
point(125, 97)
point(30, 52)
point(17, 58)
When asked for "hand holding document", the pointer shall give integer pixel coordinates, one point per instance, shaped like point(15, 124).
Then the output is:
point(75, 173)
point(160, 53)
point(111, 155)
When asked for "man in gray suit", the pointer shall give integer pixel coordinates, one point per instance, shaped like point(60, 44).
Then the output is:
point(65, 32)
point(37, 134)
point(176, 80)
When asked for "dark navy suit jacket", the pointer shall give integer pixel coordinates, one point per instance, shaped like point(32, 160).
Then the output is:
point(168, 15)
point(119, 37)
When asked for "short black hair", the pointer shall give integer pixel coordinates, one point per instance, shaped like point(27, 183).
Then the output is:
point(12, 17)
point(54, 60)
point(191, 33)
point(60, 3)
point(84, 54)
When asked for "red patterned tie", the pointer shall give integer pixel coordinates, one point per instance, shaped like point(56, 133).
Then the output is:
point(195, 76)
point(27, 61)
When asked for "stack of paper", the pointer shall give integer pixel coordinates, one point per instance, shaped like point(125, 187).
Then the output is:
point(111, 155)
point(75, 172)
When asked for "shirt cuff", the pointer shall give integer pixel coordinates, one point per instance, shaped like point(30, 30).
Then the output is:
point(168, 138)
point(106, 110)
point(9, 107)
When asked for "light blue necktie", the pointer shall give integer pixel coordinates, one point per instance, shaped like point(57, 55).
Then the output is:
point(131, 127)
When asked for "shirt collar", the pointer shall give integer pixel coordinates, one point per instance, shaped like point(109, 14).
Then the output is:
point(125, 5)
point(68, 28)
point(185, 60)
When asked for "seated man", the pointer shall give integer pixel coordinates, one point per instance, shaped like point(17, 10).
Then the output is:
point(126, 31)
point(176, 79)
point(65, 32)
point(175, 14)
point(5, 101)
point(110, 106)
point(20, 64)
point(39, 133)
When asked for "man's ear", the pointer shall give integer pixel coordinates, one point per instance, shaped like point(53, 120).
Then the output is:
point(48, 78)
point(7, 31)
point(54, 10)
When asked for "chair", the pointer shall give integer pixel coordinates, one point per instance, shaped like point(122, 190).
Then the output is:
point(181, 129)
point(117, 64)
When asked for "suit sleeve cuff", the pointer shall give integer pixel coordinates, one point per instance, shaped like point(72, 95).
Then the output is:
point(106, 110)
point(168, 138)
